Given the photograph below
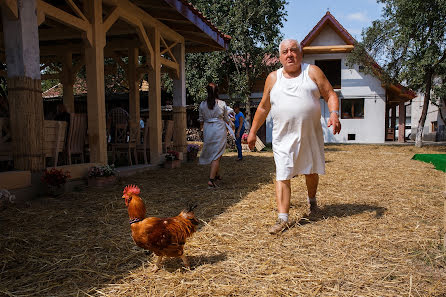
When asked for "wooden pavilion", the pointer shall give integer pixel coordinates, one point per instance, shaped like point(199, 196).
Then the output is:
point(85, 32)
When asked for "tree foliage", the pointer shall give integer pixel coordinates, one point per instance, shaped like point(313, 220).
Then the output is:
point(254, 26)
point(409, 42)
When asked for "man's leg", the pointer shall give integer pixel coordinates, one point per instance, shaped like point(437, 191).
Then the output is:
point(312, 181)
point(238, 143)
point(283, 196)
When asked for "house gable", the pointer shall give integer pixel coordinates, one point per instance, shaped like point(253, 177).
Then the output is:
point(327, 36)
point(328, 21)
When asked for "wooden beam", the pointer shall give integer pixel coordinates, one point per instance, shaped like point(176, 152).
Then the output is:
point(62, 16)
point(202, 48)
point(10, 6)
point(111, 18)
point(155, 127)
point(401, 122)
point(56, 50)
point(94, 58)
point(51, 76)
point(76, 9)
point(327, 49)
point(40, 18)
point(198, 37)
point(168, 49)
point(172, 65)
point(133, 80)
point(147, 20)
point(140, 30)
point(59, 34)
point(147, 45)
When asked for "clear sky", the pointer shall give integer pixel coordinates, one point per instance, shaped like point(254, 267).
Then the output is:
point(354, 15)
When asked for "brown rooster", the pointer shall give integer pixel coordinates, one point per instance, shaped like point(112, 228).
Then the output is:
point(162, 236)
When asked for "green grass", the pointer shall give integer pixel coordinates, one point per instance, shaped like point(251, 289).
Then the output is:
point(438, 160)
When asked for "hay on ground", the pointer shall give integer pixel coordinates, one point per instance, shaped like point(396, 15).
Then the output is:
point(379, 233)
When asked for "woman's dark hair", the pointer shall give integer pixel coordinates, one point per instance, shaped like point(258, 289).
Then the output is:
point(212, 95)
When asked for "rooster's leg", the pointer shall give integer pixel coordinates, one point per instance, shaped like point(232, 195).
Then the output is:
point(157, 264)
point(185, 261)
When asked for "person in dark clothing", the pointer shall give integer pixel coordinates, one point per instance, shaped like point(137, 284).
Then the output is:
point(239, 129)
point(62, 114)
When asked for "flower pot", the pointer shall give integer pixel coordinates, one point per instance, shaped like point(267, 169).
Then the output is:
point(172, 164)
point(101, 181)
point(55, 191)
point(192, 156)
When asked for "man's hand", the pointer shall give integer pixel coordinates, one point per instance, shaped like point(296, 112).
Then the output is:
point(251, 140)
point(334, 120)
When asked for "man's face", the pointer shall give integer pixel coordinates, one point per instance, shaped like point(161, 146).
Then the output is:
point(290, 56)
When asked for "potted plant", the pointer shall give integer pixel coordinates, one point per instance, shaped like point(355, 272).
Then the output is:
point(192, 151)
point(101, 175)
point(55, 180)
point(172, 160)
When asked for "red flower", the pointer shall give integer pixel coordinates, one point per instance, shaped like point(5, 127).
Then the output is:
point(55, 177)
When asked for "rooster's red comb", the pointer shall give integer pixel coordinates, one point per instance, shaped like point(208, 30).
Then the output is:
point(131, 189)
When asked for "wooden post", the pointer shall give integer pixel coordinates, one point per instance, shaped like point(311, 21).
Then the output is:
point(386, 118)
point(21, 42)
point(133, 79)
point(155, 127)
point(94, 60)
point(393, 121)
point(179, 102)
point(68, 81)
point(444, 223)
point(402, 122)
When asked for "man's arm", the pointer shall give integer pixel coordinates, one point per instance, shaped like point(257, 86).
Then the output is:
point(329, 96)
point(262, 110)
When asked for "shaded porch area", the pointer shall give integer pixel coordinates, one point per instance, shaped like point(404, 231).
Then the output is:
point(141, 39)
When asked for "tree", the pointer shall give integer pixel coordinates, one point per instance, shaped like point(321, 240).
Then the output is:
point(409, 41)
point(254, 26)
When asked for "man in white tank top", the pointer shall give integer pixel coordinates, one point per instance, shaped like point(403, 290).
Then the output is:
point(292, 95)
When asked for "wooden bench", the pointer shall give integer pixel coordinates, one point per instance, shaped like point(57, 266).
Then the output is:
point(76, 136)
point(54, 142)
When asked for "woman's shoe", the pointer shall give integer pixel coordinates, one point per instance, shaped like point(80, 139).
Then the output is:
point(212, 184)
point(217, 177)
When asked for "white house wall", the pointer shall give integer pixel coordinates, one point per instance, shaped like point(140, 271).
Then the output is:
point(327, 37)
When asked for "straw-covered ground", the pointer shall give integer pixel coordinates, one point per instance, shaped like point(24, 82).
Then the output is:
point(379, 233)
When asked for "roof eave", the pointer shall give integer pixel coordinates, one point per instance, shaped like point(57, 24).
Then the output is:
point(194, 16)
